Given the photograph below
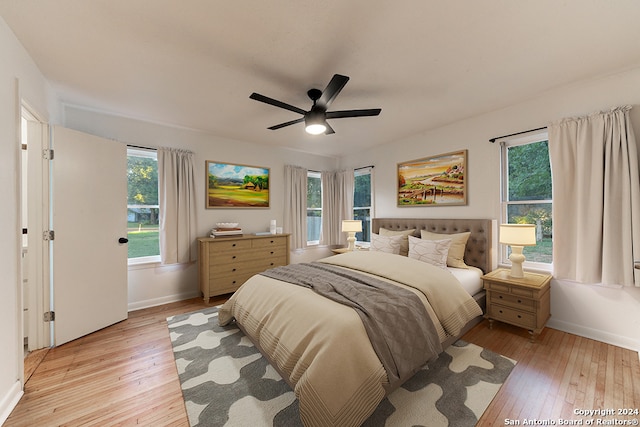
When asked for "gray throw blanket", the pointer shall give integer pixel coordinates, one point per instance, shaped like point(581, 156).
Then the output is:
point(400, 330)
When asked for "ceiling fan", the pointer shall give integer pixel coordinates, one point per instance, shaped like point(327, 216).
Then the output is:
point(316, 118)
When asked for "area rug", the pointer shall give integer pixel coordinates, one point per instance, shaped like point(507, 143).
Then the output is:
point(227, 382)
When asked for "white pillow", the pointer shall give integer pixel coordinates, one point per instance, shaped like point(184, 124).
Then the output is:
point(386, 244)
point(404, 245)
point(430, 251)
point(457, 249)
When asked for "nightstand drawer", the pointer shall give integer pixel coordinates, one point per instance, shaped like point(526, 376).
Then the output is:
point(513, 300)
point(513, 316)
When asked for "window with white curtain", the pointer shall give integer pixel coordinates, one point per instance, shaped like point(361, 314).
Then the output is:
point(142, 206)
point(314, 207)
point(527, 194)
point(363, 201)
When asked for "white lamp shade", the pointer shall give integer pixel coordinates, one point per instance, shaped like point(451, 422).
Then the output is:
point(518, 234)
point(352, 225)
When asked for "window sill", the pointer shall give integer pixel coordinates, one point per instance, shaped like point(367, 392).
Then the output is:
point(143, 262)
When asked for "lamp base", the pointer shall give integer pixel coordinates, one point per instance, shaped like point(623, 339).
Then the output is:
point(351, 240)
point(516, 258)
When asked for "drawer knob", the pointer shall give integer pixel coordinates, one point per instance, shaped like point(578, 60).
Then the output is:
point(500, 297)
point(234, 282)
point(519, 317)
point(519, 301)
point(233, 269)
point(500, 311)
point(234, 245)
point(271, 263)
point(271, 252)
point(233, 257)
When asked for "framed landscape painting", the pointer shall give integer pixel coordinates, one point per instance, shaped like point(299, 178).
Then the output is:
point(236, 186)
point(433, 181)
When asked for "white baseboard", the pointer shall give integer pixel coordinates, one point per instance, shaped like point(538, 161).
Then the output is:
point(595, 334)
point(9, 401)
point(162, 300)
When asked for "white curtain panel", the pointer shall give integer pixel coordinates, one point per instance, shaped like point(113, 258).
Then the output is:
point(337, 204)
point(295, 205)
point(177, 200)
point(596, 198)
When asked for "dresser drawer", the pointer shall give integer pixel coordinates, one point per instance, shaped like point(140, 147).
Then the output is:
point(228, 257)
point(221, 245)
point(256, 266)
point(513, 301)
point(223, 285)
point(513, 316)
point(269, 242)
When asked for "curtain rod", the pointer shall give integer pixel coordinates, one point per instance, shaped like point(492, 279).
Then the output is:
point(355, 169)
point(517, 133)
point(141, 147)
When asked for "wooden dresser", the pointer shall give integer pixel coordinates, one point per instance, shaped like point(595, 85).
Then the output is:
point(522, 302)
point(225, 263)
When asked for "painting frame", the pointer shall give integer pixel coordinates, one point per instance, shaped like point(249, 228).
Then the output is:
point(236, 186)
point(438, 180)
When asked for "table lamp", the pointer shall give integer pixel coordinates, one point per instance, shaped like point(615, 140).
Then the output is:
point(351, 227)
point(517, 236)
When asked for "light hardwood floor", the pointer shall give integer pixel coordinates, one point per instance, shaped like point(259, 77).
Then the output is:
point(125, 375)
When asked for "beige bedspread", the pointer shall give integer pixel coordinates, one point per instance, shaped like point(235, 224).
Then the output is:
point(321, 347)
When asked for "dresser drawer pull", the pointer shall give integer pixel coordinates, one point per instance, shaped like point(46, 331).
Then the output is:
point(234, 245)
point(233, 269)
point(519, 317)
point(233, 257)
point(519, 301)
point(272, 252)
point(272, 263)
point(234, 282)
point(500, 297)
point(500, 311)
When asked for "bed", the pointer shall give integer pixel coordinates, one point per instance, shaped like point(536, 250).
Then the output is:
point(339, 358)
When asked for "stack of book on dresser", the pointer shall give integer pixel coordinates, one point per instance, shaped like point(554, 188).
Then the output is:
point(226, 229)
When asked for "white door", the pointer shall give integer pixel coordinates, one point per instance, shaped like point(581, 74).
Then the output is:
point(89, 205)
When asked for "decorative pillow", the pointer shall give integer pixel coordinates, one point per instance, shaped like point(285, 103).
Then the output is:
point(430, 251)
point(404, 248)
point(386, 244)
point(457, 249)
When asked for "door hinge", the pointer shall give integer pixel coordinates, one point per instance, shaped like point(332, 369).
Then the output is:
point(49, 316)
point(48, 235)
point(47, 154)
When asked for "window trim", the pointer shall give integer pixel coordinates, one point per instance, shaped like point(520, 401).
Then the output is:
point(318, 175)
point(524, 139)
point(149, 153)
point(368, 170)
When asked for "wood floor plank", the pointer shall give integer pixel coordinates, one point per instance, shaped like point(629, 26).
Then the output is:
point(125, 375)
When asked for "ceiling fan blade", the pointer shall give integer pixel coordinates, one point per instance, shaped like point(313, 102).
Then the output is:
point(276, 103)
point(329, 130)
point(281, 125)
point(352, 113)
point(332, 90)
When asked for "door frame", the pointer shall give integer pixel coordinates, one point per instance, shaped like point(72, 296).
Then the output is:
point(37, 207)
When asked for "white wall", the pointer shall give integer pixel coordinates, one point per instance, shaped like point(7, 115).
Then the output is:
point(155, 284)
point(19, 77)
point(609, 315)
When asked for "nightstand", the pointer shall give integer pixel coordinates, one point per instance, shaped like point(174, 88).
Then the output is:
point(523, 302)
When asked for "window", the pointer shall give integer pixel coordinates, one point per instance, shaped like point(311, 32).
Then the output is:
point(142, 205)
point(362, 206)
point(314, 207)
point(527, 194)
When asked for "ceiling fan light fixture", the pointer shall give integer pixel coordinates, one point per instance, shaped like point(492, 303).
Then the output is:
point(314, 122)
point(315, 128)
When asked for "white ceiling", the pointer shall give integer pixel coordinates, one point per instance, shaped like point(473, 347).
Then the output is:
point(194, 63)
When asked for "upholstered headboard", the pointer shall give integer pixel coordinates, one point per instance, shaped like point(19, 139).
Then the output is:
point(479, 251)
